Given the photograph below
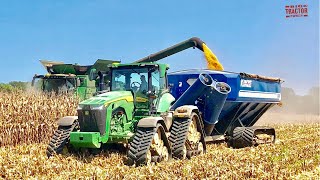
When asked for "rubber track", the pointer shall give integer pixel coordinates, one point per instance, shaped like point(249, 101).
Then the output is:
point(242, 137)
point(139, 146)
point(59, 140)
point(178, 136)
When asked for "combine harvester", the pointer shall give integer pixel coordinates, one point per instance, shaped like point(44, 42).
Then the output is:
point(70, 77)
point(162, 116)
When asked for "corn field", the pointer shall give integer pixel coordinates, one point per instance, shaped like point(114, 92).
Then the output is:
point(28, 120)
point(29, 117)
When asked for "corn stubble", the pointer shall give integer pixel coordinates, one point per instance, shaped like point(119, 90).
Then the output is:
point(295, 155)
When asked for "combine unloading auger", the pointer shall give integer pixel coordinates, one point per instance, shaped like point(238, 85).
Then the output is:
point(212, 61)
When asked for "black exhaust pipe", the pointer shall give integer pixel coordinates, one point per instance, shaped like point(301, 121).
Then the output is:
point(101, 81)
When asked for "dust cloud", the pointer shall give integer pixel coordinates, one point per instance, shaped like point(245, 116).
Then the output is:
point(295, 109)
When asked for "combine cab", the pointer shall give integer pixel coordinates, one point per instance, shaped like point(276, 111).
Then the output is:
point(161, 115)
point(70, 77)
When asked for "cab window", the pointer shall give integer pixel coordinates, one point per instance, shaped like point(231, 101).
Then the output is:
point(155, 81)
point(135, 79)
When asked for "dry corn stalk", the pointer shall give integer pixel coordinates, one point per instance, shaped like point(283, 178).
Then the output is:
point(28, 117)
point(296, 156)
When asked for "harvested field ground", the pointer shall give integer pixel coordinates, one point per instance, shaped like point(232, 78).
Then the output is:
point(295, 155)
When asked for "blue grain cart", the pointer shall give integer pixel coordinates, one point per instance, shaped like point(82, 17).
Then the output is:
point(237, 103)
point(216, 105)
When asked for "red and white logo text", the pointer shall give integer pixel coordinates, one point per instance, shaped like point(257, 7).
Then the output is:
point(300, 10)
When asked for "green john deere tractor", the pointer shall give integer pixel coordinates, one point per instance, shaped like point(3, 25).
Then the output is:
point(132, 105)
point(136, 111)
point(70, 78)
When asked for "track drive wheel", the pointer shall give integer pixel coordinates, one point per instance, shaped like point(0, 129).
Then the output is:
point(251, 136)
point(59, 143)
point(149, 145)
point(187, 137)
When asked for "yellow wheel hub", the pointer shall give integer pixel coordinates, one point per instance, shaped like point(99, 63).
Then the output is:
point(193, 135)
point(165, 153)
point(158, 148)
point(148, 158)
point(200, 147)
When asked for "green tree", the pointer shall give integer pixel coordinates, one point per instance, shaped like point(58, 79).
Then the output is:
point(6, 87)
point(19, 85)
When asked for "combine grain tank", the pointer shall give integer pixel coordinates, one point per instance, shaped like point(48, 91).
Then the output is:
point(73, 78)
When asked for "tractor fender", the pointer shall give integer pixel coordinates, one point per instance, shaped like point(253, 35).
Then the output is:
point(185, 111)
point(152, 122)
point(67, 120)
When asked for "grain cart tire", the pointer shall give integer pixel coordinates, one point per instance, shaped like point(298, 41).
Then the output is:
point(60, 139)
point(187, 137)
point(149, 144)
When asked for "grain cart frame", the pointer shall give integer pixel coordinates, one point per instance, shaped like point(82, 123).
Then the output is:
point(159, 123)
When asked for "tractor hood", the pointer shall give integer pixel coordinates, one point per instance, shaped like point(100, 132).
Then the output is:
point(92, 112)
point(107, 98)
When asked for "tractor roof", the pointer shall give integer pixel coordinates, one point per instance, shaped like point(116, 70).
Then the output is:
point(115, 65)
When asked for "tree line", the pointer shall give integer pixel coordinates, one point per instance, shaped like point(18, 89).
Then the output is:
point(14, 85)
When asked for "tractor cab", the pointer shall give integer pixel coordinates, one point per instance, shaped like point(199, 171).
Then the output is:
point(145, 81)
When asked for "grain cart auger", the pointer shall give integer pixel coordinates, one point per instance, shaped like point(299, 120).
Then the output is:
point(158, 123)
point(212, 60)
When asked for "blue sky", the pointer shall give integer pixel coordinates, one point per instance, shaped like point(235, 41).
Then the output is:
point(247, 36)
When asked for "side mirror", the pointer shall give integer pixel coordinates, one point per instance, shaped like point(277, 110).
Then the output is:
point(34, 79)
point(93, 74)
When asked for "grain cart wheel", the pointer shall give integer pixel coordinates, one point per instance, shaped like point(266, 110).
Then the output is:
point(251, 136)
point(187, 137)
point(149, 145)
point(59, 143)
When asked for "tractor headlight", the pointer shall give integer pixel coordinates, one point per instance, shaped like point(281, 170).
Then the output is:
point(97, 107)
